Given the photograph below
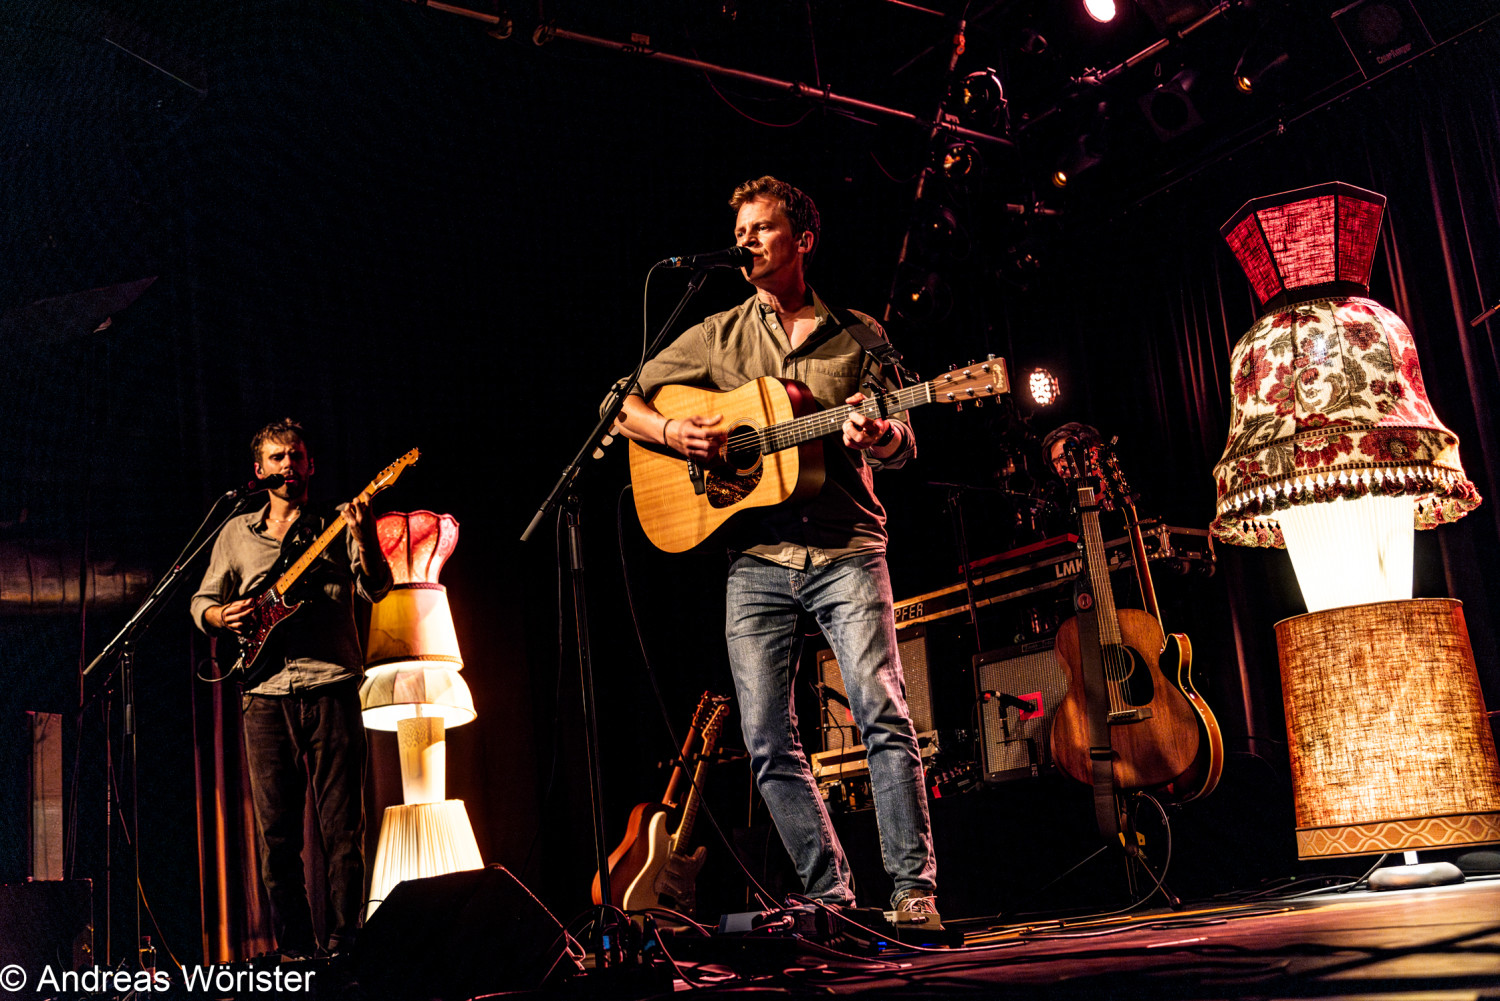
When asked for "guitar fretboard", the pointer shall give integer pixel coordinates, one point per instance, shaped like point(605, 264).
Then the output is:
point(285, 581)
point(801, 429)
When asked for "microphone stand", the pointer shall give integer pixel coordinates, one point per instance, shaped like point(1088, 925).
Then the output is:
point(122, 646)
point(610, 953)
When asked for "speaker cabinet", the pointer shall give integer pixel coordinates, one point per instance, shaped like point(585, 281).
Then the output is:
point(1016, 740)
point(838, 729)
point(459, 936)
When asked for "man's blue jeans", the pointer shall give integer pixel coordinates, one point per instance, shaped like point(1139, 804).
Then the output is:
point(851, 601)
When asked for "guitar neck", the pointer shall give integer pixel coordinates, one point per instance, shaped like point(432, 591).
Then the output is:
point(684, 834)
point(285, 581)
point(794, 432)
point(1098, 564)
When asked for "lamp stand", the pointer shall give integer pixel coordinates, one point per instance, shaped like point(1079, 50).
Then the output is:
point(428, 835)
point(1415, 874)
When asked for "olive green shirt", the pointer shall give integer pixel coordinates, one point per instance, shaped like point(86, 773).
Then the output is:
point(739, 345)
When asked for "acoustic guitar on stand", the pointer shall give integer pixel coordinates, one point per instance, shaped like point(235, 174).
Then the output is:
point(274, 603)
point(1176, 658)
point(1153, 731)
point(772, 453)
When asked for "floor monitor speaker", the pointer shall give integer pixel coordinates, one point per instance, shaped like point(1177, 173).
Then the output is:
point(459, 936)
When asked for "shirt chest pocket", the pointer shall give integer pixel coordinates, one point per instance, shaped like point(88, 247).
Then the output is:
point(830, 379)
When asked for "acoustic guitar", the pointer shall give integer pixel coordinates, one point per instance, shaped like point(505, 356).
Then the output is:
point(1176, 658)
point(772, 453)
point(1153, 732)
point(274, 603)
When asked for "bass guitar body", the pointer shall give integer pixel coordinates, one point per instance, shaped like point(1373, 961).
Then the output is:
point(678, 510)
point(1153, 730)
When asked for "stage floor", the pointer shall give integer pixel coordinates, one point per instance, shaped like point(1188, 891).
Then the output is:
point(1438, 943)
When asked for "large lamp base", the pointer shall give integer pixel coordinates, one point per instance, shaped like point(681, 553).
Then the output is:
point(1390, 746)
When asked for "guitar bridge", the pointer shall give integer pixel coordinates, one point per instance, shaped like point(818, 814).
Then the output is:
point(1135, 715)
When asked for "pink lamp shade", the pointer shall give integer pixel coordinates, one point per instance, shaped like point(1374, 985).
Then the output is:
point(1326, 396)
point(417, 544)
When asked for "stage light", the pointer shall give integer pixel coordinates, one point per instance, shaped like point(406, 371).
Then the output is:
point(1100, 10)
point(1248, 74)
point(1334, 452)
point(959, 162)
point(981, 100)
point(1059, 178)
point(412, 685)
point(1043, 386)
point(923, 297)
point(1170, 109)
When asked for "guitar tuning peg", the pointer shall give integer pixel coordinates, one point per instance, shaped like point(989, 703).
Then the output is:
point(979, 402)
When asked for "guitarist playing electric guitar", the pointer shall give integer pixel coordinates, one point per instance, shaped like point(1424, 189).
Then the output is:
point(305, 707)
point(817, 556)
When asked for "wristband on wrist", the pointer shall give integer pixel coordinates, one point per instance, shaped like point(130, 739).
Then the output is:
point(664, 425)
point(885, 439)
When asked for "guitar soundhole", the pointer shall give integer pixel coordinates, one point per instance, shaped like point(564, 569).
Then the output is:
point(1129, 675)
point(736, 477)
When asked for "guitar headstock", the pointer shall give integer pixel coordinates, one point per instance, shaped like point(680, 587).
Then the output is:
point(977, 381)
point(1112, 476)
point(391, 473)
point(715, 724)
point(1083, 464)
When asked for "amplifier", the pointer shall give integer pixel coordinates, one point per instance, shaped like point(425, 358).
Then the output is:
point(1046, 566)
point(838, 728)
point(1015, 742)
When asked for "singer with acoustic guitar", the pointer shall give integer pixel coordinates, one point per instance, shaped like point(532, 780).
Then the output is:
point(819, 554)
point(301, 711)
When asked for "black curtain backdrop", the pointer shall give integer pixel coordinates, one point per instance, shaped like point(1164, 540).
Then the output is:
point(403, 232)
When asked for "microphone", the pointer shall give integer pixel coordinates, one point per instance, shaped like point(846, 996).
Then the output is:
point(730, 257)
point(830, 694)
point(1007, 699)
point(256, 486)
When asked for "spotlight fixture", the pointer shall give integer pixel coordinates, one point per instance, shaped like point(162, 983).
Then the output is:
point(1043, 386)
point(1249, 74)
point(939, 232)
point(923, 297)
point(1081, 154)
point(1170, 109)
point(959, 161)
point(981, 100)
point(1100, 10)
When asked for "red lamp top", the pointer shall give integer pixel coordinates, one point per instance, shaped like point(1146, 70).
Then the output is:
point(417, 544)
point(1295, 241)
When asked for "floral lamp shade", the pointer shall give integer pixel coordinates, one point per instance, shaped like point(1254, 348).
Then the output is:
point(1326, 394)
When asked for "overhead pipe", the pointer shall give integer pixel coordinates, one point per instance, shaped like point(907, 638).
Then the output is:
point(1097, 78)
point(40, 577)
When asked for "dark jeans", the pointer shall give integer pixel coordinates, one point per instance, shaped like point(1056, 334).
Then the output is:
point(290, 739)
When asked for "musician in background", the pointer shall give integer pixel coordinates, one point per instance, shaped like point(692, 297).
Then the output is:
point(823, 558)
point(1055, 445)
point(302, 722)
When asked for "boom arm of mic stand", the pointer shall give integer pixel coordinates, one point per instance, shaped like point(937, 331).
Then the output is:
point(613, 402)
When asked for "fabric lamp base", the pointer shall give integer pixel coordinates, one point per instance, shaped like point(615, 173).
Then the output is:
point(420, 840)
point(1390, 746)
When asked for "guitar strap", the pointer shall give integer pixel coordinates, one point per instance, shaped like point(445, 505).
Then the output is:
point(1096, 707)
point(876, 346)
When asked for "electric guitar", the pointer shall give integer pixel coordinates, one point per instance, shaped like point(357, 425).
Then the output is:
point(651, 868)
point(1153, 732)
point(772, 453)
point(273, 604)
point(1202, 776)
